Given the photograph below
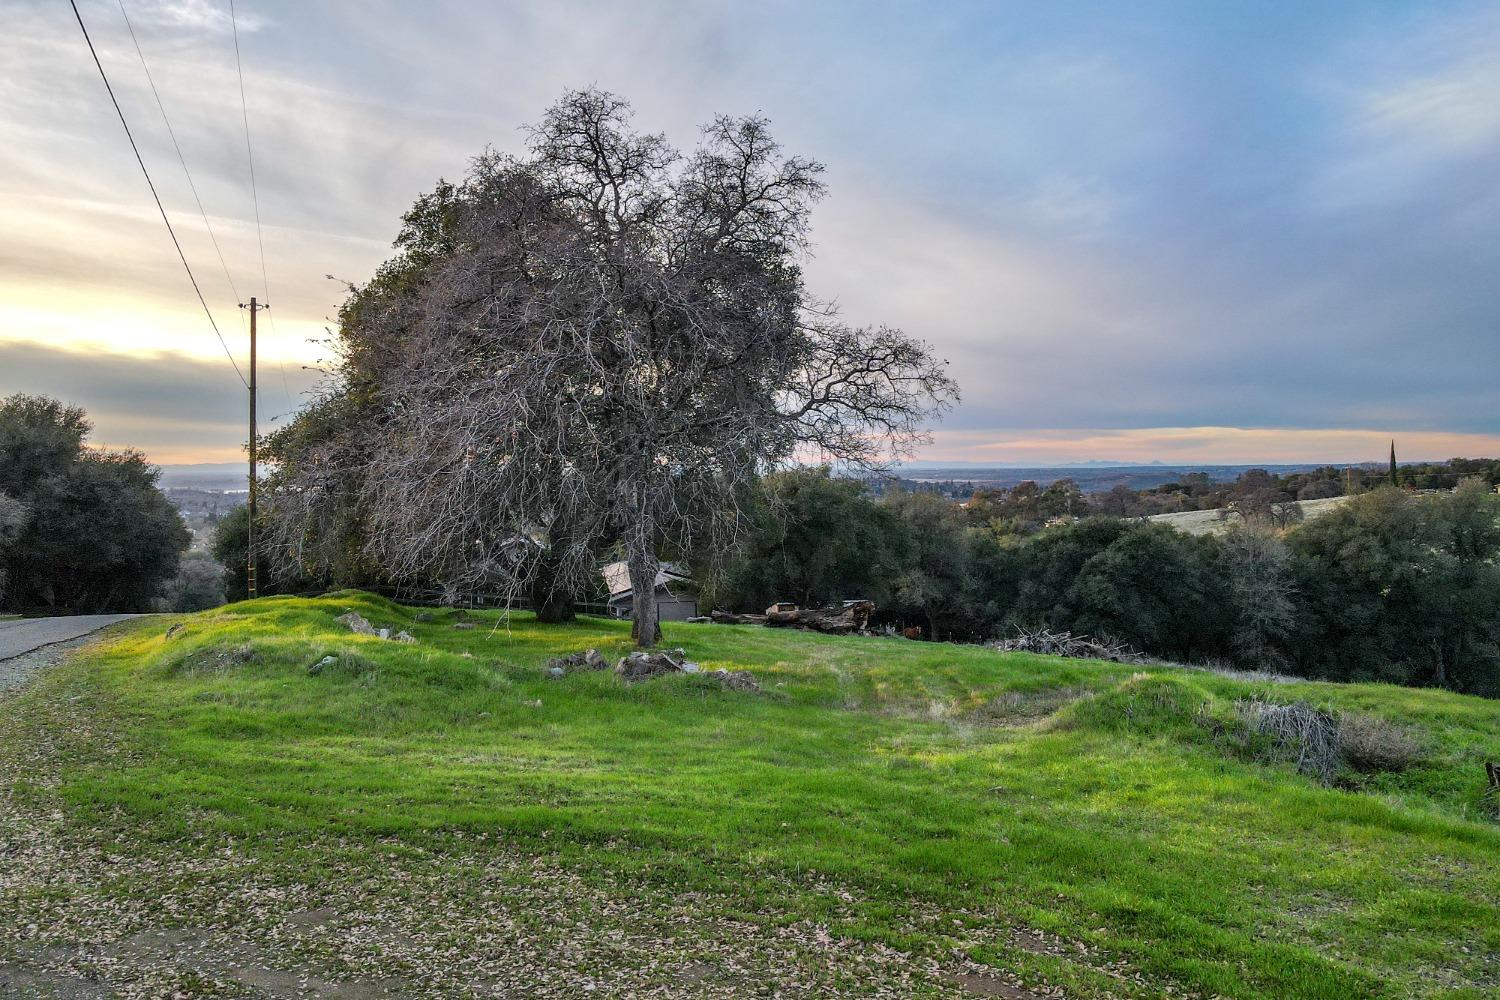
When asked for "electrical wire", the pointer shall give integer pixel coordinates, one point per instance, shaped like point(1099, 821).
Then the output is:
point(260, 241)
point(155, 197)
point(172, 133)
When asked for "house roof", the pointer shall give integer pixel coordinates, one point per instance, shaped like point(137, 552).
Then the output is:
point(617, 578)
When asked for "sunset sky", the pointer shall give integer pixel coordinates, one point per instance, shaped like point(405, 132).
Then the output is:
point(1189, 232)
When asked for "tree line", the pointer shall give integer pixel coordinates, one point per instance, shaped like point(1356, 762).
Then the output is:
point(1393, 586)
point(1258, 493)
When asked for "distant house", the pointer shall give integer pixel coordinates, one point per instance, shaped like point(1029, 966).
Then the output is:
point(676, 594)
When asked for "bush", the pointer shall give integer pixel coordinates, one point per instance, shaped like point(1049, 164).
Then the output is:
point(1374, 745)
point(81, 529)
point(198, 585)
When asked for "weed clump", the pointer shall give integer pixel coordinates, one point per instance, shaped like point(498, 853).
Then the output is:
point(213, 660)
point(341, 662)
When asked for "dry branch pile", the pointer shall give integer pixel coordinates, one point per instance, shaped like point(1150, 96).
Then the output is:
point(1305, 735)
point(1084, 647)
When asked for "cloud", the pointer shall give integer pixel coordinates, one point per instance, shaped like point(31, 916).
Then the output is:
point(173, 408)
point(1203, 445)
point(1124, 218)
point(196, 16)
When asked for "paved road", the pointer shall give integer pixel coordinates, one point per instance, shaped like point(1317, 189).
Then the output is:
point(22, 635)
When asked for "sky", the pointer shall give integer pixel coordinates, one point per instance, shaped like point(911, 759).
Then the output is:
point(1185, 232)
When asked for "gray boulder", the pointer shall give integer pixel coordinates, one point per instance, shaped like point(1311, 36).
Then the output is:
point(356, 623)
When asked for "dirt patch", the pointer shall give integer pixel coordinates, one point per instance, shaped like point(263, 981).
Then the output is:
point(26, 983)
point(221, 958)
point(979, 984)
point(1018, 708)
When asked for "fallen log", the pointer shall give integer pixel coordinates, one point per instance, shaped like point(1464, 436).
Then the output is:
point(728, 618)
point(847, 620)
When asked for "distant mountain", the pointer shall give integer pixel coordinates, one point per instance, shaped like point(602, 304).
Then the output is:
point(205, 476)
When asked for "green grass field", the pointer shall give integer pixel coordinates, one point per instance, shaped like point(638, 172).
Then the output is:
point(888, 818)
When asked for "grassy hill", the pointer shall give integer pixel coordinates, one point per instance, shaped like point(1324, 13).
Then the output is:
point(887, 818)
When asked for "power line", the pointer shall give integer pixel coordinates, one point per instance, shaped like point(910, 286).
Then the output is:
point(156, 197)
point(265, 281)
point(180, 158)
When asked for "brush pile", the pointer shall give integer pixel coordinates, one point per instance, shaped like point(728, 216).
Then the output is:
point(1083, 647)
point(1298, 733)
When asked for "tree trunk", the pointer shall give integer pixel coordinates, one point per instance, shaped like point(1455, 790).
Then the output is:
point(553, 605)
point(554, 608)
point(645, 626)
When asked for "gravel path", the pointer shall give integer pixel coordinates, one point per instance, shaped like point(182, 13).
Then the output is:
point(19, 669)
point(32, 644)
point(22, 635)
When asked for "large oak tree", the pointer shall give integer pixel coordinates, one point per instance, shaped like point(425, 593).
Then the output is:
point(593, 347)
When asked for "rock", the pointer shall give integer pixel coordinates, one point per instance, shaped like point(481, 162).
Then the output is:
point(424, 617)
point(737, 680)
point(403, 636)
point(175, 630)
point(463, 625)
point(691, 668)
point(589, 659)
point(356, 623)
point(219, 659)
point(642, 665)
point(314, 669)
point(556, 673)
point(384, 633)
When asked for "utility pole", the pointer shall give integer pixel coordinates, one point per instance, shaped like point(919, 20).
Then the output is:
point(250, 586)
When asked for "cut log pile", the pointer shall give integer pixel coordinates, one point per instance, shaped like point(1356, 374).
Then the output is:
point(851, 619)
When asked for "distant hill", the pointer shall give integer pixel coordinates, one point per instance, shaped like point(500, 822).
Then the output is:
point(1090, 478)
